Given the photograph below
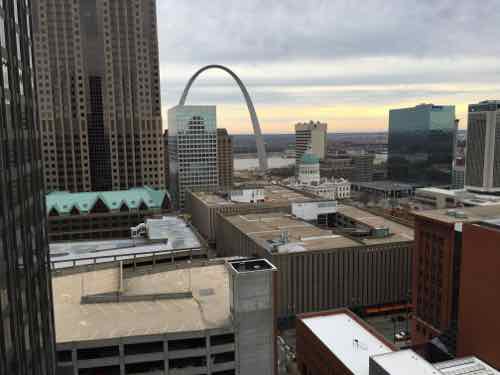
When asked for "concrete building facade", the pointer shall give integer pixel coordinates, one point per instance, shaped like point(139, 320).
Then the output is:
point(98, 94)
point(191, 319)
point(225, 161)
point(205, 206)
point(310, 135)
point(483, 147)
point(359, 264)
point(192, 140)
point(26, 318)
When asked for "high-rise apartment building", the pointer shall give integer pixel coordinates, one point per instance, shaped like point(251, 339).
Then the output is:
point(310, 135)
point(98, 94)
point(482, 170)
point(192, 146)
point(422, 144)
point(26, 321)
point(225, 162)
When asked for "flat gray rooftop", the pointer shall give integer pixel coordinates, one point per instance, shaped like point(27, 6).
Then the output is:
point(207, 308)
point(274, 194)
point(179, 236)
point(399, 231)
point(385, 186)
point(481, 213)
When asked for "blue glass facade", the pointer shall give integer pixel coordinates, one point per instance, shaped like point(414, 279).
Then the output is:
point(422, 144)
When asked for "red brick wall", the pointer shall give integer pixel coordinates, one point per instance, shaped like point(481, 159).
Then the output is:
point(479, 306)
point(432, 274)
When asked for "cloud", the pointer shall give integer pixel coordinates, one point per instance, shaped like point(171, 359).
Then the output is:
point(359, 55)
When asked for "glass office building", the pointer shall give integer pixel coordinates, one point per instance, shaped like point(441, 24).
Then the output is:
point(192, 147)
point(26, 325)
point(422, 144)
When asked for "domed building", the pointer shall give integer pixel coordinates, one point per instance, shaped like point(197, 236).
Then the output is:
point(309, 169)
point(309, 180)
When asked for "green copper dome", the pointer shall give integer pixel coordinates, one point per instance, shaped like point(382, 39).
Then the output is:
point(309, 159)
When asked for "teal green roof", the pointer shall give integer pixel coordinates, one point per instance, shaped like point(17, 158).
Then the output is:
point(63, 201)
point(309, 159)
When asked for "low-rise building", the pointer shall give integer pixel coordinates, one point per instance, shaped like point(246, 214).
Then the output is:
point(436, 198)
point(102, 215)
point(203, 318)
point(165, 239)
point(337, 342)
point(360, 260)
point(309, 180)
point(204, 206)
point(384, 189)
point(410, 363)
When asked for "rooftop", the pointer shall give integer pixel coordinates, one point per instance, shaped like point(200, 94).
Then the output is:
point(404, 362)
point(273, 194)
point(179, 236)
point(206, 308)
point(467, 214)
point(465, 366)
point(302, 236)
point(399, 232)
point(63, 202)
point(462, 195)
point(386, 186)
point(348, 340)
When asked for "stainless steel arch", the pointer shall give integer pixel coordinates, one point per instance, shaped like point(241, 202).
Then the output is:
point(261, 150)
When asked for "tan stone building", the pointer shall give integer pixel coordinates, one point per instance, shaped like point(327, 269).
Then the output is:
point(98, 94)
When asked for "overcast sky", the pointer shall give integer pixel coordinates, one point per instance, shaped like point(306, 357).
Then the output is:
point(345, 62)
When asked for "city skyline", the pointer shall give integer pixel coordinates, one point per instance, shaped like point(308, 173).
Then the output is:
point(310, 66)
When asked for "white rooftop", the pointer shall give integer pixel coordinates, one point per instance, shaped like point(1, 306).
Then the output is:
point(465, 366)
point(404, 362)
point(348, 340)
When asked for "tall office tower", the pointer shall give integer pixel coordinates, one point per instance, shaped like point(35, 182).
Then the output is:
point(166, 161)
point(458, 173)
point(98, 94)
point(482, 169)
point(26, 321)
point(225, 162)
point(310, 135)
point(192, 146)
point(421, 144)
point(363, 167)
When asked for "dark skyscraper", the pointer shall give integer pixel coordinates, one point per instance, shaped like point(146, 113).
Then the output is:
point(99, 94)
point(422, 144)
point(26, 324)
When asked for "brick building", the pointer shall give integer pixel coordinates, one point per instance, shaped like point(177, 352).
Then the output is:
point(479, 304)
point(99, 215)
point(437, 270)
point(337, 342)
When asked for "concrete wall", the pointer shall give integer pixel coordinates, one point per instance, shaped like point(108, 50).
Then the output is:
point(112, 356)
point(253, 316)
point(320, 280)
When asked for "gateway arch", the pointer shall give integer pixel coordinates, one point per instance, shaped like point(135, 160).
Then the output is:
point(261, 150)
